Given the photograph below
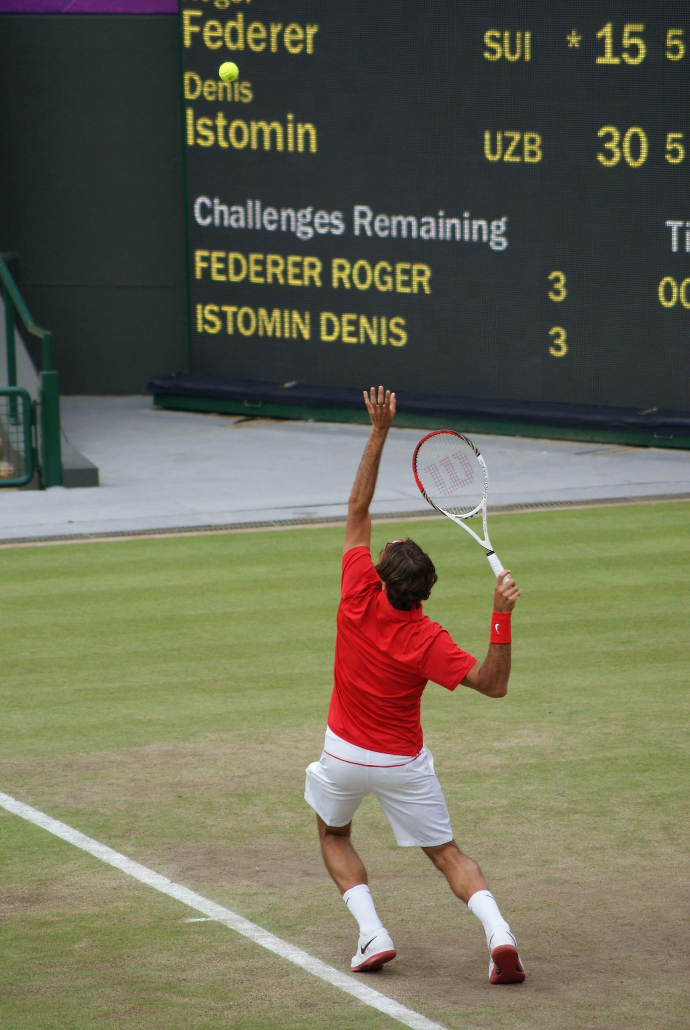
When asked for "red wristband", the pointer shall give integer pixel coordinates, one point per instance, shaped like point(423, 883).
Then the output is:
point(500, 628)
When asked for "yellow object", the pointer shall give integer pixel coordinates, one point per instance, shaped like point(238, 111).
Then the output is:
point(228, 71)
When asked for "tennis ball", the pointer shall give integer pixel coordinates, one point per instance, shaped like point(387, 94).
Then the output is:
point(228, 71)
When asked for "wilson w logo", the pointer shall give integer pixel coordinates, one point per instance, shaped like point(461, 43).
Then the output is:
point(452, 473)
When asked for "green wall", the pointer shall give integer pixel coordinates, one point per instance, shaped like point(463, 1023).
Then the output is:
point(91, 191)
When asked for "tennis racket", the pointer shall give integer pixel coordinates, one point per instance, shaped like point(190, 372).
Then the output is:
point(452, 476)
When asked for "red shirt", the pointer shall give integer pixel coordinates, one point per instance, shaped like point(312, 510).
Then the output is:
point(383, 660)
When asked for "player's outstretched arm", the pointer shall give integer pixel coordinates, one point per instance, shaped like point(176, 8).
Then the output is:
point(381, 408)
point(491, 677)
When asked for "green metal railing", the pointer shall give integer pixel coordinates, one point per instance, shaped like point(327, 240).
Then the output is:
point(49, 396)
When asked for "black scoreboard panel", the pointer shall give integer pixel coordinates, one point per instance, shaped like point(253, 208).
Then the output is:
point(484, 199)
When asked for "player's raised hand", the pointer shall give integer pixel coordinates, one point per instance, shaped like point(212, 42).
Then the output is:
point(506, 592)
point(381, 407)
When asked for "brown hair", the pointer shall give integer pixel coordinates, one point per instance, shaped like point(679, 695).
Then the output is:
point(408, 573)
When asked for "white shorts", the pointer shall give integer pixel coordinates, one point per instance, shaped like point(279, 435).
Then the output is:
point(409, 793)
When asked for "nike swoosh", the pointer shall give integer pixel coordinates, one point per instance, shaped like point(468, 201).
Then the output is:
point(363, 949)
point(497, 627)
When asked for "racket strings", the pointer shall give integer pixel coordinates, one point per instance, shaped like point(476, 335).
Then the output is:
point(450, 473)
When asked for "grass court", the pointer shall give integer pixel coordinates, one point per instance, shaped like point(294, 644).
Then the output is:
point(164, 696)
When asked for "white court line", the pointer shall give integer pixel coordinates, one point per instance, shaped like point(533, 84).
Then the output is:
point(223, 915)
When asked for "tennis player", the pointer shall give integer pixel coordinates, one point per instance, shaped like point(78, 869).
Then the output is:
point(386, 650)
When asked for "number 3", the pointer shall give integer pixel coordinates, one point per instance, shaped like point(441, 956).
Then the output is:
point(558, 292)
point(613, 145)
point(559, 348)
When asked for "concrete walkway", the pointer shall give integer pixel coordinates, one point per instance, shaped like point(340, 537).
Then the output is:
point(178, 470)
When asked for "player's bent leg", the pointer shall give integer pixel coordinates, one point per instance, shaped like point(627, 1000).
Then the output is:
point(462, 873)
point(467, 883)
point(334, 790)
point(375, 946)
point(340, 858)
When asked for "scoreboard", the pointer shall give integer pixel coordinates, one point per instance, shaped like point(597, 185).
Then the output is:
point(478, 199)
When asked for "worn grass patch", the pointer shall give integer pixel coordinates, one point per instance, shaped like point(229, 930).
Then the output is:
point(164, 697)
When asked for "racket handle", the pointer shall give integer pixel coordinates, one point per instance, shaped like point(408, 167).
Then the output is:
point(495, 564)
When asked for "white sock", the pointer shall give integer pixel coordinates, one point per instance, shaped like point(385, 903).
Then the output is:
point(360, 902)
point(483, 906)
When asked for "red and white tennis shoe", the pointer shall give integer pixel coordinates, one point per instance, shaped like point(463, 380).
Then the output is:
point(372, 952)
point(505, 966)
